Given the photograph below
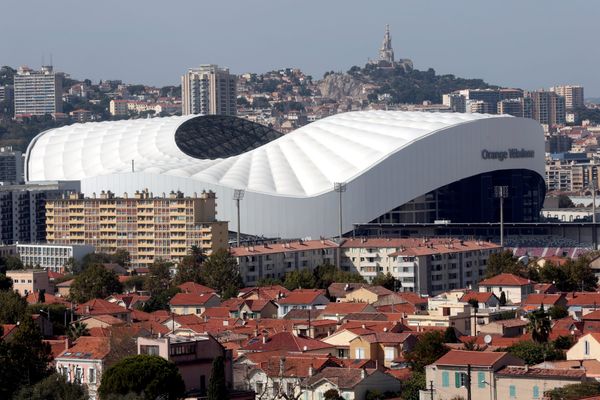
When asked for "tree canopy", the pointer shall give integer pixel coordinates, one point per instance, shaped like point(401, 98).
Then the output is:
point(13, 307)
point(574, 391)
point(539, 325)
point(217, 388)
point(54, 387)
point(534, 353)
point(221, 272)
point(428, 348)
point(94, 282)
point(149, 376)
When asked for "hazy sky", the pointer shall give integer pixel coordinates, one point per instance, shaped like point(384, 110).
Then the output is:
point(520, 43)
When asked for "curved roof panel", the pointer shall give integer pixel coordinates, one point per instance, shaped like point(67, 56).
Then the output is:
point(236, 153)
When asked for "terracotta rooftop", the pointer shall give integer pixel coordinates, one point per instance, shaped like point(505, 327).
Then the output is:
point(302, 245)
point(474, 358)
point(302, 296)
point(591, 299)
point(414, 246)
point(257, 305)
point(104, 318)
point(343, 378)
point(593, 316)
point(34, 298)
point(339, 290)
point(216, 312)
point(505, 280)
point(285, 341)
point(195, 288)
point(272, 292)
point(481, 297)
point(536, 299)
point(87, 348)
point(544, 288)
point(100, 306)
point(190, 299)
point(346, 308)
point(297, 314)
point(297, 366)
point(576, 374)
point(386, 337)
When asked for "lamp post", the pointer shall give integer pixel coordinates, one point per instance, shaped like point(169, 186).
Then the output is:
point(238, 194)
point(501, 192)
point(340, 187)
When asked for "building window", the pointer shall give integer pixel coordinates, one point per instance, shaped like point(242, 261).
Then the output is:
point(389, 353)
point(149, 350)
point(92, 375)
point(457, 379)
point(536, 392)
point(359, 353)
point(481, 380)
point(259, 388)
point(78, 375)
point(586, 348)
point(512, 391)
point(445, 379)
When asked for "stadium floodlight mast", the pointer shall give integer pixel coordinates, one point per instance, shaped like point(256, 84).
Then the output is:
point(501, 192)
point(238, 194)
point(340, 187)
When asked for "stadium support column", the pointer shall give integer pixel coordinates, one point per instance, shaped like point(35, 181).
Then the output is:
point(501, 192)
point(340, 188)
point(238, 194)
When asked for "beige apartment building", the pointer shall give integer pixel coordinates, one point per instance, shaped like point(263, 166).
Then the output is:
point(148, 227)
point(208, 90)
point(27, 281)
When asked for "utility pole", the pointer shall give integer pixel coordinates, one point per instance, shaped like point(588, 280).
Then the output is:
point(238, 194)
point(501, 192)
point(468, 382)
point(340, 187)
point(431, 389)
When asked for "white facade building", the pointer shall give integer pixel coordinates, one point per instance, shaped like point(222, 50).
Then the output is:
point(53, 257)
point(37, 92)
point(386, 159)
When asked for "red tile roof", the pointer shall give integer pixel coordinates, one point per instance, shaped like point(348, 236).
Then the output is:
point(591, 299)
point(189, 299)
point(285, 341)
point(386, 337)
point(544, 288)
point(216, 312)
point(343, 378)
point(474, 358)
point(505, 280)
point(543, 373)
point(100, 306)
point(87, 348)
point(302, 296)
point(535, 299)
point(346, 308)
point(481, 297)
point(195, 288)
point(34, 298)
point(104, 318)
point(273, 292)
point(304, 245)
point(297, 366)
point(7, 329)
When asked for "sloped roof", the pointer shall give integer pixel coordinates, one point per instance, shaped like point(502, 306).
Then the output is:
point(190, 299)
point(302, 296)
point(87, 348)
point(474, 358)
point(285, 341)
point(100, 306)
point(505, 280)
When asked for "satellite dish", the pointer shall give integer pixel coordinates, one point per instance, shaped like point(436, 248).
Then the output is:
point(487, 339)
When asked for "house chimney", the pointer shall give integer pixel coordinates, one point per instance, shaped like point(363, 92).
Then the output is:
point(264, 338)
point(363, 373)
point(87, 309)
point(311, 370)
point(67, 344)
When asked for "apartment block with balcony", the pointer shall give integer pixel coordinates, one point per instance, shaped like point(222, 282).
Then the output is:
point(148, 227)
point(37, 92)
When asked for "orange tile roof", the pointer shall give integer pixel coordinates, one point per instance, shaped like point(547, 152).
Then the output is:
point(195, 288)
point(297, 366)
point(535, 299)
point(505, 280)
point(541, 373)
point(285, 341)
point(105, 318)
point(345, 308)
point(216, 312)
point(87, 348)
point(481, 297)
point(34, 298)
point(302, 296)
point(591, 299)
point(272, 292)
point(282, 247)
point(474, 358)
point(100, 306)
point(190, 299)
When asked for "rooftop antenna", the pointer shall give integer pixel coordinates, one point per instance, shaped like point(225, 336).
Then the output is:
point(51, 64)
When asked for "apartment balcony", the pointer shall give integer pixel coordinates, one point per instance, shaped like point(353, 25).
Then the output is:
point(368, 264)
point(404, 274)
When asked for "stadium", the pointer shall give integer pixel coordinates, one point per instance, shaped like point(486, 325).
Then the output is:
point(395, 167)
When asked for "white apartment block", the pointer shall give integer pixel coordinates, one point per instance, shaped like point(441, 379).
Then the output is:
point(573, 95)
point(51, 257)
point(456, 101)
point(37, 92)
point(275, 260)
point(429, 266)
point(209, 90)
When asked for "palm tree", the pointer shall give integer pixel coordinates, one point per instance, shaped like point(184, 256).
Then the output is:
point(539, 325)
point(77, 329)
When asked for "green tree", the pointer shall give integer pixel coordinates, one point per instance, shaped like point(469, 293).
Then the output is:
point(189, 269)
point(10, 263)
point(564, 342)
point(565, 201)
point(5, 282)
point(534, 353)
point(221, 272)
point(158, 278)
point(504, 262)
point(558, 312)
point(429, 348)
point(77, 329)
point(502, 300)
point(387, 281)
point(151, 376)
point(303, 278)
point(574, 391)
point(217, 388)
point(13, 307)
point(326, 274)
point(450, 335)
point(121, 257)
point(332, 394)
point(268, 282)
point(160, 300)
point(94, 282)
point(54, 387)
point(539, 325)
point(411, 387)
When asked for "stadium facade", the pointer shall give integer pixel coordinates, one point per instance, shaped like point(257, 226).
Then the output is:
point(404, 167)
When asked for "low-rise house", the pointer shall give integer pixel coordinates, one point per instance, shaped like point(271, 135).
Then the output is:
point(84, 362)
point(442, 315)
point(582, 303)
point(64, 288)
point(450, 374)
point(102, 307)
point(535, 300)
point(544, 288)
point(44, 298)
point(587, 347)
point(130, 301)
point(368, 294)
point(195, 288)
point(303, 299)
point(315, 329)
point(337, 291)
point(188, 303)
point(273, 292)
point(286, 341)
point(481, 299)
point(27, 281)
point(259, 308)
point(350, 383)
point(382, 347)
point(531, 383)
point(338, 311)
point(193, 357)
point(515, 288)
point(101, 321)
point(506, 328)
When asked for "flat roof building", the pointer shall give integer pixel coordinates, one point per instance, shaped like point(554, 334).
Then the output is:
point(37, 92)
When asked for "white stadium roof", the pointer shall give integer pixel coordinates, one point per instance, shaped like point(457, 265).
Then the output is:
point(429, 149)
